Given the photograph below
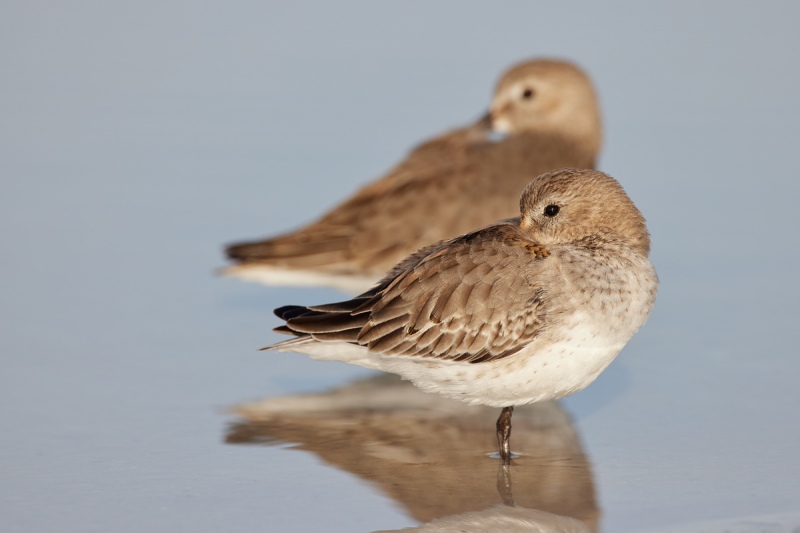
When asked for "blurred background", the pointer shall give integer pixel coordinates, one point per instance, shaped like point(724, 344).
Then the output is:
point(136, 139)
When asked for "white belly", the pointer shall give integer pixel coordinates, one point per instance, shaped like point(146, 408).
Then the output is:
point(542, 371)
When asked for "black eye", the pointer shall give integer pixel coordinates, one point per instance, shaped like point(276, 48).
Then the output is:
point(527, 94)
point(551, 210)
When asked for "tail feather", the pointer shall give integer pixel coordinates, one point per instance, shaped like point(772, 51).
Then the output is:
point(306, 247)
point(347, 335)
point(347, 352)
point(326, 322)
point(284, 330)
point(290, 345)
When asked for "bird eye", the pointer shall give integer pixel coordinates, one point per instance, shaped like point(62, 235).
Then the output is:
point(551, 210)
point(527, 94)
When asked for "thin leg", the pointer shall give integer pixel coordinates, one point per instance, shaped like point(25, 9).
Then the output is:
point(504, 433)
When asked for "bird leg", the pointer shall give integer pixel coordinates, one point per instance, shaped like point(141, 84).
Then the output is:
point(503, 434)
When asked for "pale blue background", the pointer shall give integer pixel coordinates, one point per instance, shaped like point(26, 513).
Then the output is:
point(137, 138)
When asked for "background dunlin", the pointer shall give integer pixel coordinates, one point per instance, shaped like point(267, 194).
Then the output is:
point(547, 116)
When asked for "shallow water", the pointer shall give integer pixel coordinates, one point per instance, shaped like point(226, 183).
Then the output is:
point(136, 140)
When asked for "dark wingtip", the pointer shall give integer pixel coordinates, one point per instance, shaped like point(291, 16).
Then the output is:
point(240, 250)
point(288, 312)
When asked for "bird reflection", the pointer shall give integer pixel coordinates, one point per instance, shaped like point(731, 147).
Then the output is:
point(432, 455)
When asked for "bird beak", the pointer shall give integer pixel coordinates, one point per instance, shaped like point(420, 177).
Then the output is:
point(485, 122)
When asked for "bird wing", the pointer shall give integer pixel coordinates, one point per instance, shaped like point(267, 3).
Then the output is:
point(371, 224)
point(475, 298)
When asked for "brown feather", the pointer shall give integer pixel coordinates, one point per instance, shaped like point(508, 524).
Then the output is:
point(428, 309)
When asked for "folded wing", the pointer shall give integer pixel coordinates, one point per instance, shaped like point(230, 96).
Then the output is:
point(474, 298)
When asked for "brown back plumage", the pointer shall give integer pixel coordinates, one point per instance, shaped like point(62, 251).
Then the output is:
point(453, 300)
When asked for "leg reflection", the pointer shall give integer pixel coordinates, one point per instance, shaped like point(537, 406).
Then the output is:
point(504, 434)
point(504, 484)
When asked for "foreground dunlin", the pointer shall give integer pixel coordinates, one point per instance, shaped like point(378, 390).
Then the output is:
point(548, 114)
point(521, 311)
